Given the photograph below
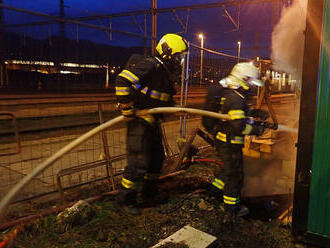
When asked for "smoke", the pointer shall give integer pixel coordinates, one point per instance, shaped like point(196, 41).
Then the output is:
point(288, 39)
point(274, 173)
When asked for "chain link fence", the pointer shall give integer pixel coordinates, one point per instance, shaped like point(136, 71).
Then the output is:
point(101, 158)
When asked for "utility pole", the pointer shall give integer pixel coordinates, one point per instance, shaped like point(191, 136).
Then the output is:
point(256, 36)
point(239, 43)
point(62, 15)
point(145, 36)
point(2, 49)
point(201, 65)
point(154, 26)
point(62, 32)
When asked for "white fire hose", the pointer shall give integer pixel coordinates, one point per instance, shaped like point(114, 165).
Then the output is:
point(52, 159)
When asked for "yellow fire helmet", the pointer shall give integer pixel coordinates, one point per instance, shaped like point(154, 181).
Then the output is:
point(171, 44)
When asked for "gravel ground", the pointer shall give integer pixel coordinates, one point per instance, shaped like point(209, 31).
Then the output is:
point(188, 204)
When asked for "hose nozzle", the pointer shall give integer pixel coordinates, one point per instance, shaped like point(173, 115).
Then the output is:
point(267, 124)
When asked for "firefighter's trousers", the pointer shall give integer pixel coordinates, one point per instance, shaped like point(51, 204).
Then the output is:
point(231, 176)
point(145, 157)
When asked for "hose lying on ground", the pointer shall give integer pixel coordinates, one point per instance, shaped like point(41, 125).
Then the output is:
point(52, 159)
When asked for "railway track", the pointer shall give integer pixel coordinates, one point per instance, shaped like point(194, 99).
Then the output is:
point(31, 99)
point(39, 113)
point(42, 112)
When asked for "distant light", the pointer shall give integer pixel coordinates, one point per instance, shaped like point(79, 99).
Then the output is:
point(43, 71)
point(69, 64)
point(49, 63)
point(258, 58)
point(80, 65)
point(69, 72)
point(201, 36)
point(112, 71)
point(27, 62)
point(91, 66)
point(238, 43)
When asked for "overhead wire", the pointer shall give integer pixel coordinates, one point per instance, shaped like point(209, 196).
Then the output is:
point(217, 53)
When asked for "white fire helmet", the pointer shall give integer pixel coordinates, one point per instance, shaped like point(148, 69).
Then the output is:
point(246, 74)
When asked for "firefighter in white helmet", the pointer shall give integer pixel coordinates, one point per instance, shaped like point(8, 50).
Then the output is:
point(229, 96)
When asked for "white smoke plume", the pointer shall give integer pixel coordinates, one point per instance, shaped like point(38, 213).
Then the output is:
point(288, 39)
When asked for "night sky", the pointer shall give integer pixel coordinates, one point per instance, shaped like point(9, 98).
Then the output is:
point(255, 20)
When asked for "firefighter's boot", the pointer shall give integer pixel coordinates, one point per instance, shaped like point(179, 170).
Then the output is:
point(126, 200)
point(213, 191)
point(150, 194)
point(232, 212)
point(242, 211)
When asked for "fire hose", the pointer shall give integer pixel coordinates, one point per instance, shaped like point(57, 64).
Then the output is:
point(52, 159)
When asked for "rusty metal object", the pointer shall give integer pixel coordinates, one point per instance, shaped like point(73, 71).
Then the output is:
point(183, 152)
point(82, 167)
point(109, 168)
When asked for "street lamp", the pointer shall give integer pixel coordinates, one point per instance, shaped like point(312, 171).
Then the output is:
point(239, 51)
point(201, 69)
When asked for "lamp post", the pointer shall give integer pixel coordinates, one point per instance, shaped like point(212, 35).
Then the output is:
point(239, 51)
point(201, 69)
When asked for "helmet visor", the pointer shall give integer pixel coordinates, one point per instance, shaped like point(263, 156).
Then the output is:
point(255, 82)
point(180, 57)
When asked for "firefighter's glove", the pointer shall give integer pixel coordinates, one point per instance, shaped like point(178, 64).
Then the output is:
point(127, 109)
point(257, 130)
point(128, 112)
point(259, 113)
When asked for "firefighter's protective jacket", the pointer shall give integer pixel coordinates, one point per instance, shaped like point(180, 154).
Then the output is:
point(232, 102)
point(144, 83)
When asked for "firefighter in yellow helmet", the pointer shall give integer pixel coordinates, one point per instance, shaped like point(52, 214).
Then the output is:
point(146, 83)
point(229, 96)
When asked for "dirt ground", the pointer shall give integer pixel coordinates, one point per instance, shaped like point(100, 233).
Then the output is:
point(188, 204)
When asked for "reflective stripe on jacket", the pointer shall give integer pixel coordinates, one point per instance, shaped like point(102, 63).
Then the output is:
point(227, 101)
point(145, 82)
